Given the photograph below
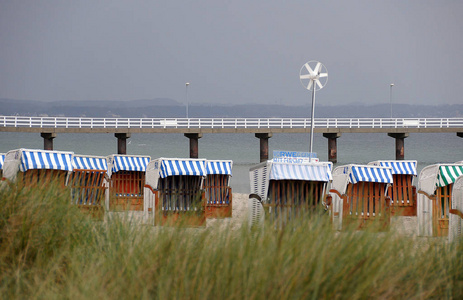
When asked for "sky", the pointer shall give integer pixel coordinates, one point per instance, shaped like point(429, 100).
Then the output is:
point(231, 52)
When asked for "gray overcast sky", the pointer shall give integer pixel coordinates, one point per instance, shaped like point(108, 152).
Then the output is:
point(231, 51)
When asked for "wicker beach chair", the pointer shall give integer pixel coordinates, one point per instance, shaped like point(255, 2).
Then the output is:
point(403, 192)
point(126, 175)
point(217, 189)
point(290, 190)
point(88, 183)
point(174, 192)
point(360, 196)
point(435, 187)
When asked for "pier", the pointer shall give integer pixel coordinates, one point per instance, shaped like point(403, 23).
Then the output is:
point(263, 128)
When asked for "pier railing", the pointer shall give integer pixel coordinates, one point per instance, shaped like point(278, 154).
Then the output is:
point(74, 122)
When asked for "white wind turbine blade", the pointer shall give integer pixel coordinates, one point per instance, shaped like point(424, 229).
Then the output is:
point(317, 68)
point(307, 76)
point(310, 84)
point(319, 84)
point(311, 72)
point(323, 75)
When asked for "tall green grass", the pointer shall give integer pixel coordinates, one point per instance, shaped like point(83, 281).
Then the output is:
point(49, 249)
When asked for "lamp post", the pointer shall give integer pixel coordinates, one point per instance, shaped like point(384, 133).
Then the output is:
point(187, 103)
point(390, 96)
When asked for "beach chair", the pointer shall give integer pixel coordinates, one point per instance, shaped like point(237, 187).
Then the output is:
point(88, 183)
point(174, 192)
point(37, 167)
point(217, 189)
point(126, 175)
point(289, 190)
point(435, 185)
point(456, 211)
point(360, 196)
point(403, 195)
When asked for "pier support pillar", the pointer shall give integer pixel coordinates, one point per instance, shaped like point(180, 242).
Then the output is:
point(194, 137)
point(48, 140)
point(332, 146)
point(263, 145)
point(460, 134)
point(122, 142)
point(399, 144)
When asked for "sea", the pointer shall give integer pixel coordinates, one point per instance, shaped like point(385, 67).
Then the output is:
point(243, 149)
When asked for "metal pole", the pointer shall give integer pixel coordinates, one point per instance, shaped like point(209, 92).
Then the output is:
point(187, 103)
point(312, 121)
point(390, 97)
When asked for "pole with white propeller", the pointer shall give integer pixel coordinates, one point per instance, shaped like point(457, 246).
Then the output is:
point(313, 76)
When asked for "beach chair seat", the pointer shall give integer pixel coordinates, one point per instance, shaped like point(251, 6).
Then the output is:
point(435, 186)
point(126, 175)
point(290, 190)
point(360, 197)
point(126, 191)
point(176, 185)
point(218, 192)
point(403, 192)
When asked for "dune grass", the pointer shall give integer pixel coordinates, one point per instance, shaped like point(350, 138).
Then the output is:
point(49, 249)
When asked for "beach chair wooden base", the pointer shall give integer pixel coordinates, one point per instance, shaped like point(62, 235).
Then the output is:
point(183, 219)
point(217, 211)
point(192, 218)
point(95, 211)
point(125, 203)
point(404, 211)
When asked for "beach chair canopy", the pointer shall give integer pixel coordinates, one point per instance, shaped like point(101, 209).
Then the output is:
point(85, 162)
point(448, 174)
point(29, 159)
point(2, 159)
point(118, 162)
point(165, 167)
point(438, 175)
point(308, 172)
point(222, 167)
point(400, 167)
point(343, 175)
point(261, 174)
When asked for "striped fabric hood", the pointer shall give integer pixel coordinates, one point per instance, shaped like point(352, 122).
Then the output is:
point(448, 174)
point(222, 167)
point(174, 166)
point(128, 163)
point(89, 162)
point(42, 159)
point(296, 171)
point(359, 173)
point(402, 167)
point(165, 167)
